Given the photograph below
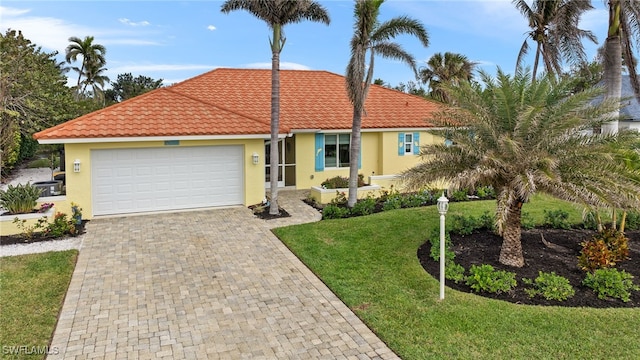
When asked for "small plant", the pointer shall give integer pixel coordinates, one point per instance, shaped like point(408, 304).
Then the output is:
point(487, 221)
point(604, 250)
point(20, 199)
point(341, 182)
point(527, 222)
point(29, 231)
point(550, 286)
point(611, 283)
point(454, 272)
point(633, 220)
point(60, 226)
point(391, 199)
point(340, 199)
point(76, 213)
point(364, 206)
point(464, 225)
point(434, 239)
point(333, 211)
point(556, 219)
point(485, 192)
point(486, 278)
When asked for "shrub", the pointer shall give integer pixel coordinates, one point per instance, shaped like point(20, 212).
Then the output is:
point(526, 221)
point(28, 231)
point(611, 283)
point(454, 272)
point(459, 195)
point(590, 220)
point(420, 198)
point(487, 221)
point(550, 286)
point(60, 226)
point(464, 225)
point(333, 211)
point(391, 199)
point(364, 206)
point(604, 250)
point(485, 192)
point(341, 182)
point(557, 219)
point(633, 220)
point(20, 199)
point(340, 199)
point(434, 238)
point(486, 278)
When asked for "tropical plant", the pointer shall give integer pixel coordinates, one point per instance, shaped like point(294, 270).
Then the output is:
point(450, 68)
point(93, 55)
point(622, 33)
point(554, 29)
point(524, 137)
point(94, 77)
point(372, 37)
point(277, 14)
point(20, 199)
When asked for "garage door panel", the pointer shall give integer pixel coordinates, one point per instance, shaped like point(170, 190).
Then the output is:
point(153, 179)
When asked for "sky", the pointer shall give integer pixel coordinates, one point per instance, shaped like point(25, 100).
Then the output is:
point(175, 40)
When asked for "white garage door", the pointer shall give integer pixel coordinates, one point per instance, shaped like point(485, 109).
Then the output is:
point(170, 178)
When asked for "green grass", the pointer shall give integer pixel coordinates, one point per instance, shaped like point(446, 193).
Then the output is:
point(371, 264)
point(32, 292)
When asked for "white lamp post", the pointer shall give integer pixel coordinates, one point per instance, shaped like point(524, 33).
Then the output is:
point(443, 206)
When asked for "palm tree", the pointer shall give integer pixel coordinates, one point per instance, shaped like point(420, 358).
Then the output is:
point(95, 78)
point(554, 28)
point(91, 53)
point(524, 137)
point(450, 68)
point(372, 37)
point(624, 22)
point(277, 14)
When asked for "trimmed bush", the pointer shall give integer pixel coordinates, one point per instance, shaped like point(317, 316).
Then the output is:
point(550, 286)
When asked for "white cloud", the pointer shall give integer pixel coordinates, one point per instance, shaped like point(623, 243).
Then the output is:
point(131, 23)
point(146, 68)
point(283, 65)
point(211, 27)
point(5, 11)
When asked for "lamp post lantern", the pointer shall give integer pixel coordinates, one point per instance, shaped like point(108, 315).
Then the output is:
point(443, 206)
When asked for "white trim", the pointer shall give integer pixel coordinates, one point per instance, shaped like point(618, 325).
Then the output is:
point(154, 138)
point(384, 177)
point(341, 131)
point(49, 213)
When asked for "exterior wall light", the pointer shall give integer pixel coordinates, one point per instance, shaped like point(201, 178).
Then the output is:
point(255, 158)
point(443, 206)
point(76, 165)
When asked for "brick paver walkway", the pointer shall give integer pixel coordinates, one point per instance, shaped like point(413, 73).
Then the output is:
point(205, 284)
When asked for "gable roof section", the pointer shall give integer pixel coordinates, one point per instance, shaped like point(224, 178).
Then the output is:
point(226, 102)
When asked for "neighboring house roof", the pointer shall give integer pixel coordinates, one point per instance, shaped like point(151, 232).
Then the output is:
point(238, 102)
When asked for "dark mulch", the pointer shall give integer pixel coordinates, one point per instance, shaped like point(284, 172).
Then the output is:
point(262, 212)
point(38, 236)
point(561, 257)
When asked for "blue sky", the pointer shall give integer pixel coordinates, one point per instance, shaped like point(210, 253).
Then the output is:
point(176, 40)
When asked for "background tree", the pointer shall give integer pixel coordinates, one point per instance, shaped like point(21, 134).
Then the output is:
point(33, 96)
point(554, 29)
point(95, 79)
point(411, 87)
point(93, 55)
point(126, 87)
point(525, 137)
point(622, 34)
point(276, 14)
point(450, 69)
point(372, 37)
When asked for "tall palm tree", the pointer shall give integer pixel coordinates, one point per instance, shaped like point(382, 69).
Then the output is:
point(372, 37)
point(91, 54)
point(450, 68)
point(554, 29)
point(277, 14)
point(525, 137)
point(622, 34)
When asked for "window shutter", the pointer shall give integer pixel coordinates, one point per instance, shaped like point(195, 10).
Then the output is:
point(319, 152)
point(401, 144)
point(416, 143)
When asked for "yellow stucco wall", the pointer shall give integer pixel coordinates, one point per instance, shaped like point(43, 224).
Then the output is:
point(379, 157)
point(78, 184)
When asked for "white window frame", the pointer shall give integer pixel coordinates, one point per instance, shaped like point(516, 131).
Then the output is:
point(408, 150)
point(338, 161)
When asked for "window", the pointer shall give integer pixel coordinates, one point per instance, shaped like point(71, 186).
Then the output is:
point(408, 143)
point(336, 150)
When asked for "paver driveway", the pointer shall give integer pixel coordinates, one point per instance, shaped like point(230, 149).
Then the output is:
point(205, 284)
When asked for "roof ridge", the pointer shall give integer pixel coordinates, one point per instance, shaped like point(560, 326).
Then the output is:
point(177, 92)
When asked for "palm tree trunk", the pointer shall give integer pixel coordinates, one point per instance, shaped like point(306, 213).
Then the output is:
point(275, 119)
point(511, 252)
point(612, 78)
point(354, 152)
point(535, 63)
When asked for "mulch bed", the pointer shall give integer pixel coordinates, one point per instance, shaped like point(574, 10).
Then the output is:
point(561, 257)
point(38, 236)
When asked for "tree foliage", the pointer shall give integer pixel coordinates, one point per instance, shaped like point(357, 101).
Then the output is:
point(524, 137)
point(448, 68)
point(126, 87)
point(33, 92)
point(92, 66)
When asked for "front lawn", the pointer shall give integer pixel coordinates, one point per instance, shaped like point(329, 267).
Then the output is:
point(32, 292)
point(370, 262)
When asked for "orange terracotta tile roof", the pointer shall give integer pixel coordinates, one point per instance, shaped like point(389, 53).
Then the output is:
point(238, 102)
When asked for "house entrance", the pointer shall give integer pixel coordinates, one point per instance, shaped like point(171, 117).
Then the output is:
point(286, 162)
